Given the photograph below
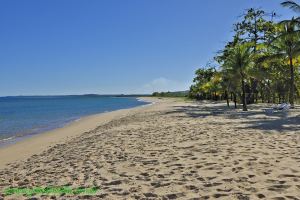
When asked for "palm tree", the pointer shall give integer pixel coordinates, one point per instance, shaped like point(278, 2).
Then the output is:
point(286, 46)
point(229, 84)
point(238, 62)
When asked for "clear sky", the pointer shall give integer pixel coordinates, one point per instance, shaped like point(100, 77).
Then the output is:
point(112, 46)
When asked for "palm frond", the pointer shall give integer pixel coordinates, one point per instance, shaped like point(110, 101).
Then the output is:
point(290, 30)
point(292, 5)
point(270, 57)
point(296, 50)
point(292, 34)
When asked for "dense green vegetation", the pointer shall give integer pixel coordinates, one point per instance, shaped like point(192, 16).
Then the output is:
point(261, 63)
point(171, 94)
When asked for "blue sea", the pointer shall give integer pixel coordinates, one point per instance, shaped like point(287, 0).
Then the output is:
point(23, 116)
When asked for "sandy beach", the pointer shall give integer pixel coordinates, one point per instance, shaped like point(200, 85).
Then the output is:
point(172, 149)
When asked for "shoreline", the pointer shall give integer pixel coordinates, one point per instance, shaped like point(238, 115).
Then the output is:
point(26, 146)
point(23, 134)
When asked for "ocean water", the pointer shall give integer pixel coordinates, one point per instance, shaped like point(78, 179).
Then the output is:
point(24, 116)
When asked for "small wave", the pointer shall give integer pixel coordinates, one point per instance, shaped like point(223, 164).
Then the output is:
point(6, 139)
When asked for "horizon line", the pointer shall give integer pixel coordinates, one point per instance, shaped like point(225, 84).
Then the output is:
point(44, 95)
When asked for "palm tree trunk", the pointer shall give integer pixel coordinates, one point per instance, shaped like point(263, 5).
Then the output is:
point(262, 95)
point(253, 87)
point(256, 97)
point(244, 95)
point(234, 100)
point(269, 91)
point(227, 99)
point(292, 88)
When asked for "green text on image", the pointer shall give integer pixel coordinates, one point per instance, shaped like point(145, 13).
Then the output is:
point(50, 190)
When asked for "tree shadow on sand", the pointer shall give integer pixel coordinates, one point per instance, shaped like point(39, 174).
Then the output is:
point(281, 123)
point(255, 118)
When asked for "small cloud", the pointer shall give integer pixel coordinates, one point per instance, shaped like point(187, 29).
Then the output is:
point(163, 85)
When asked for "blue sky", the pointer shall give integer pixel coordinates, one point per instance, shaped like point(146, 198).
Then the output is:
point(112, 46)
